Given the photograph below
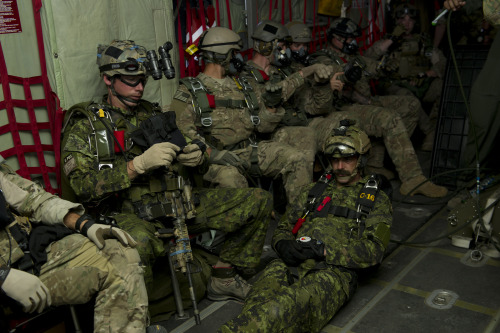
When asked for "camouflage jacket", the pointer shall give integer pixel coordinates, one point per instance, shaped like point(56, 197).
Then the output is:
point(231, 124)
point(344, 247)
point(413, 55)
point(491, 9)
point(92, 184)
point(30, 204)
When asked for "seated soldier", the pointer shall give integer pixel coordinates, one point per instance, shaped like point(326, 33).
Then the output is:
point(145, 184)
point(43, 262)
point(336, 229)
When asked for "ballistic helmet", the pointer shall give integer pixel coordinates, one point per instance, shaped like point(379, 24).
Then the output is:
point(344, 27)
point(347, 140)
point(299, 32)
point(405, 9)
point(268, 31)
point(121, 57)
point(220, 40)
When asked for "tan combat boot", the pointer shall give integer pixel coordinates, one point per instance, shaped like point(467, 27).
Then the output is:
point(426, 188)
point(225, 284)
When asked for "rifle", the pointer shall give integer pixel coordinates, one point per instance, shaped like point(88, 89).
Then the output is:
point(162, 128)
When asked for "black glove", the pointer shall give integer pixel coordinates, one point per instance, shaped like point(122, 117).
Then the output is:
point(272, 96)
point(353, 74)
point(312, 248)
point(290, 251)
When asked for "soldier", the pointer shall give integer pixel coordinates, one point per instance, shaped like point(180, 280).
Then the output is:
point(226, 113)
point(96, 261)
point(338, 227)
point(143, 182)
point(412, 67)
point(311, 107)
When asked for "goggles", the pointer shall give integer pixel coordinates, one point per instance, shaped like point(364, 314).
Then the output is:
point(406, 11)
point(134, 80)
point(340, 149)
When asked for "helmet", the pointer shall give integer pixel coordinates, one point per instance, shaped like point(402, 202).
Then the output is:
point(347, 140)
point(268, 31)
point(220, 40)
point(121, 57)
point(405, 9)
point(299, 32)
point(344, 27)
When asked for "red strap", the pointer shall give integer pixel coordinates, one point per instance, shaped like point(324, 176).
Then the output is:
point(211, 101)
point(228, 9)
point(298, 225)
point(322, 205)
point(264, 75)
point(218, 12)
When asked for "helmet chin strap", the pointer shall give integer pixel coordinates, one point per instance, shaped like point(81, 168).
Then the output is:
point(122, 98)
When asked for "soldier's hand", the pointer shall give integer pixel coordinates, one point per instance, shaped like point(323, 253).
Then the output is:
point(98, 233)
point(27, 289)
point(159, 154)
point(226, 157)
point(272, 95)
point(321, 72)
point(398, 31)
point(392, 64)
point(290, 251)
point(453, 4)
point(191, 155)
point(335, 83)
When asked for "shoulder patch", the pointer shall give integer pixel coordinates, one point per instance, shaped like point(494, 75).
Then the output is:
point(182, 96)
point(69, 164)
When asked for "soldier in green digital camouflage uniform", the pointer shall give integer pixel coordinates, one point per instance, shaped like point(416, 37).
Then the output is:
point(140, 184)
point(337, 228)
point(226, 113)
point(72, 269)
point(412, 66)
point(310, 111)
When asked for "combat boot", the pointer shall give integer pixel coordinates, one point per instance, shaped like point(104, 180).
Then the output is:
point(426, 188)
point(225, 284)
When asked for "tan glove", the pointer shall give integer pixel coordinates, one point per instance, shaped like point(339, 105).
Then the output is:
point(27, 289)
point(160, 154)
point(98, 233)
point(191, 155)
point(398, 31)
point(321, 72)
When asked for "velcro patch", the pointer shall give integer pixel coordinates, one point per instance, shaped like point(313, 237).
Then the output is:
point(69, 164)
point(182, 96)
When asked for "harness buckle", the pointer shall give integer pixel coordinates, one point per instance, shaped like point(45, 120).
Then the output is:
point(255, 119)
point(206, 121)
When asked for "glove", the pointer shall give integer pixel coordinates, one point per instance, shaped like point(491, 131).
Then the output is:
point(312, 249)
point(398, 31)
point(27, 289)
point(353, 74)
point(191, 155)
point(226, 157)
point(159, 154)
point(321, 72)
point(392, 64)
point(290, 251)
point(98, 233)
point(272, 95)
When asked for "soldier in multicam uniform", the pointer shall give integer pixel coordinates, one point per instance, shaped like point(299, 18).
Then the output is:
point(140, 185)
point(412, 66)
point(73, 268)
point(311, 108)
point(226, 113)
point(324, 240)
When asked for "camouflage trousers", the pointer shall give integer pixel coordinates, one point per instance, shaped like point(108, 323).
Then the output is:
point(407, 107)
point(76, 271)
point(278, 304)
point(274, 159)
point(376, 122)
point(243, 214)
